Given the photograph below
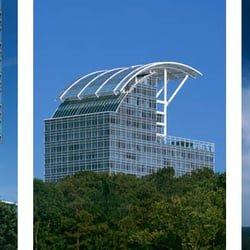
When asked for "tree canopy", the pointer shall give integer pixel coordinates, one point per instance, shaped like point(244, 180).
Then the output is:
point(8, 226)
point(100, 211)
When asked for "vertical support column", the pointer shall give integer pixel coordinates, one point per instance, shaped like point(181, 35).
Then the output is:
point(165, 101)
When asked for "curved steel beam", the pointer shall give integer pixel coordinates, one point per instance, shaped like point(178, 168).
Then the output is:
point(99, 89)
point(98, 76)
point(77, 81)
point(151, 66)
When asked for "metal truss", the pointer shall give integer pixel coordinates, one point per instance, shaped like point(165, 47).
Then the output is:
point(167, 100)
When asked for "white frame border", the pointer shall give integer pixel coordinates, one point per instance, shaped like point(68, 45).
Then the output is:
point(25, 124)
point(233, 124)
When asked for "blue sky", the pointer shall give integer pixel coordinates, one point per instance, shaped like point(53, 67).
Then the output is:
point(246, 114)
point(76, 37)
point(8, 150)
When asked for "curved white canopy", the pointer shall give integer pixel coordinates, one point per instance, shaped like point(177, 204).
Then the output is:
point(114, 81)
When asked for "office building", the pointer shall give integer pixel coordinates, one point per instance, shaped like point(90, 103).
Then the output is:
point(116, 121)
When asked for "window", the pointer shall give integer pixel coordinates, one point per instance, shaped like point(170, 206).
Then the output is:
point(160, 118)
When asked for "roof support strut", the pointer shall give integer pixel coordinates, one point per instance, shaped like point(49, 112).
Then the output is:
point(177, 89)
point(166, 101)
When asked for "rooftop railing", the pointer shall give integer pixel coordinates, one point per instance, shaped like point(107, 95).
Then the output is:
point(188, 143)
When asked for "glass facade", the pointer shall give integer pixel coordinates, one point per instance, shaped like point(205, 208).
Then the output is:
point(118, 134)
point(76, 143)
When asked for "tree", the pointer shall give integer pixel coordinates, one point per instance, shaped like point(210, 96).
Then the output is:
point(8, 226)
point(159, 211)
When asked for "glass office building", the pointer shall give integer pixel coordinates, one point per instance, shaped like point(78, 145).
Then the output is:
point(115, 121)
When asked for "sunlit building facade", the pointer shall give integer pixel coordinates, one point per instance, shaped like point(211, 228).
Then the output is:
point(115, 121)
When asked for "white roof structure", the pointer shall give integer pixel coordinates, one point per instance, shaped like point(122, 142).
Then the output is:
point(119, 80)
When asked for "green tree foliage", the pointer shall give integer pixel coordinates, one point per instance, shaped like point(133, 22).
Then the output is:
point(8, 226)
point(159, 211)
